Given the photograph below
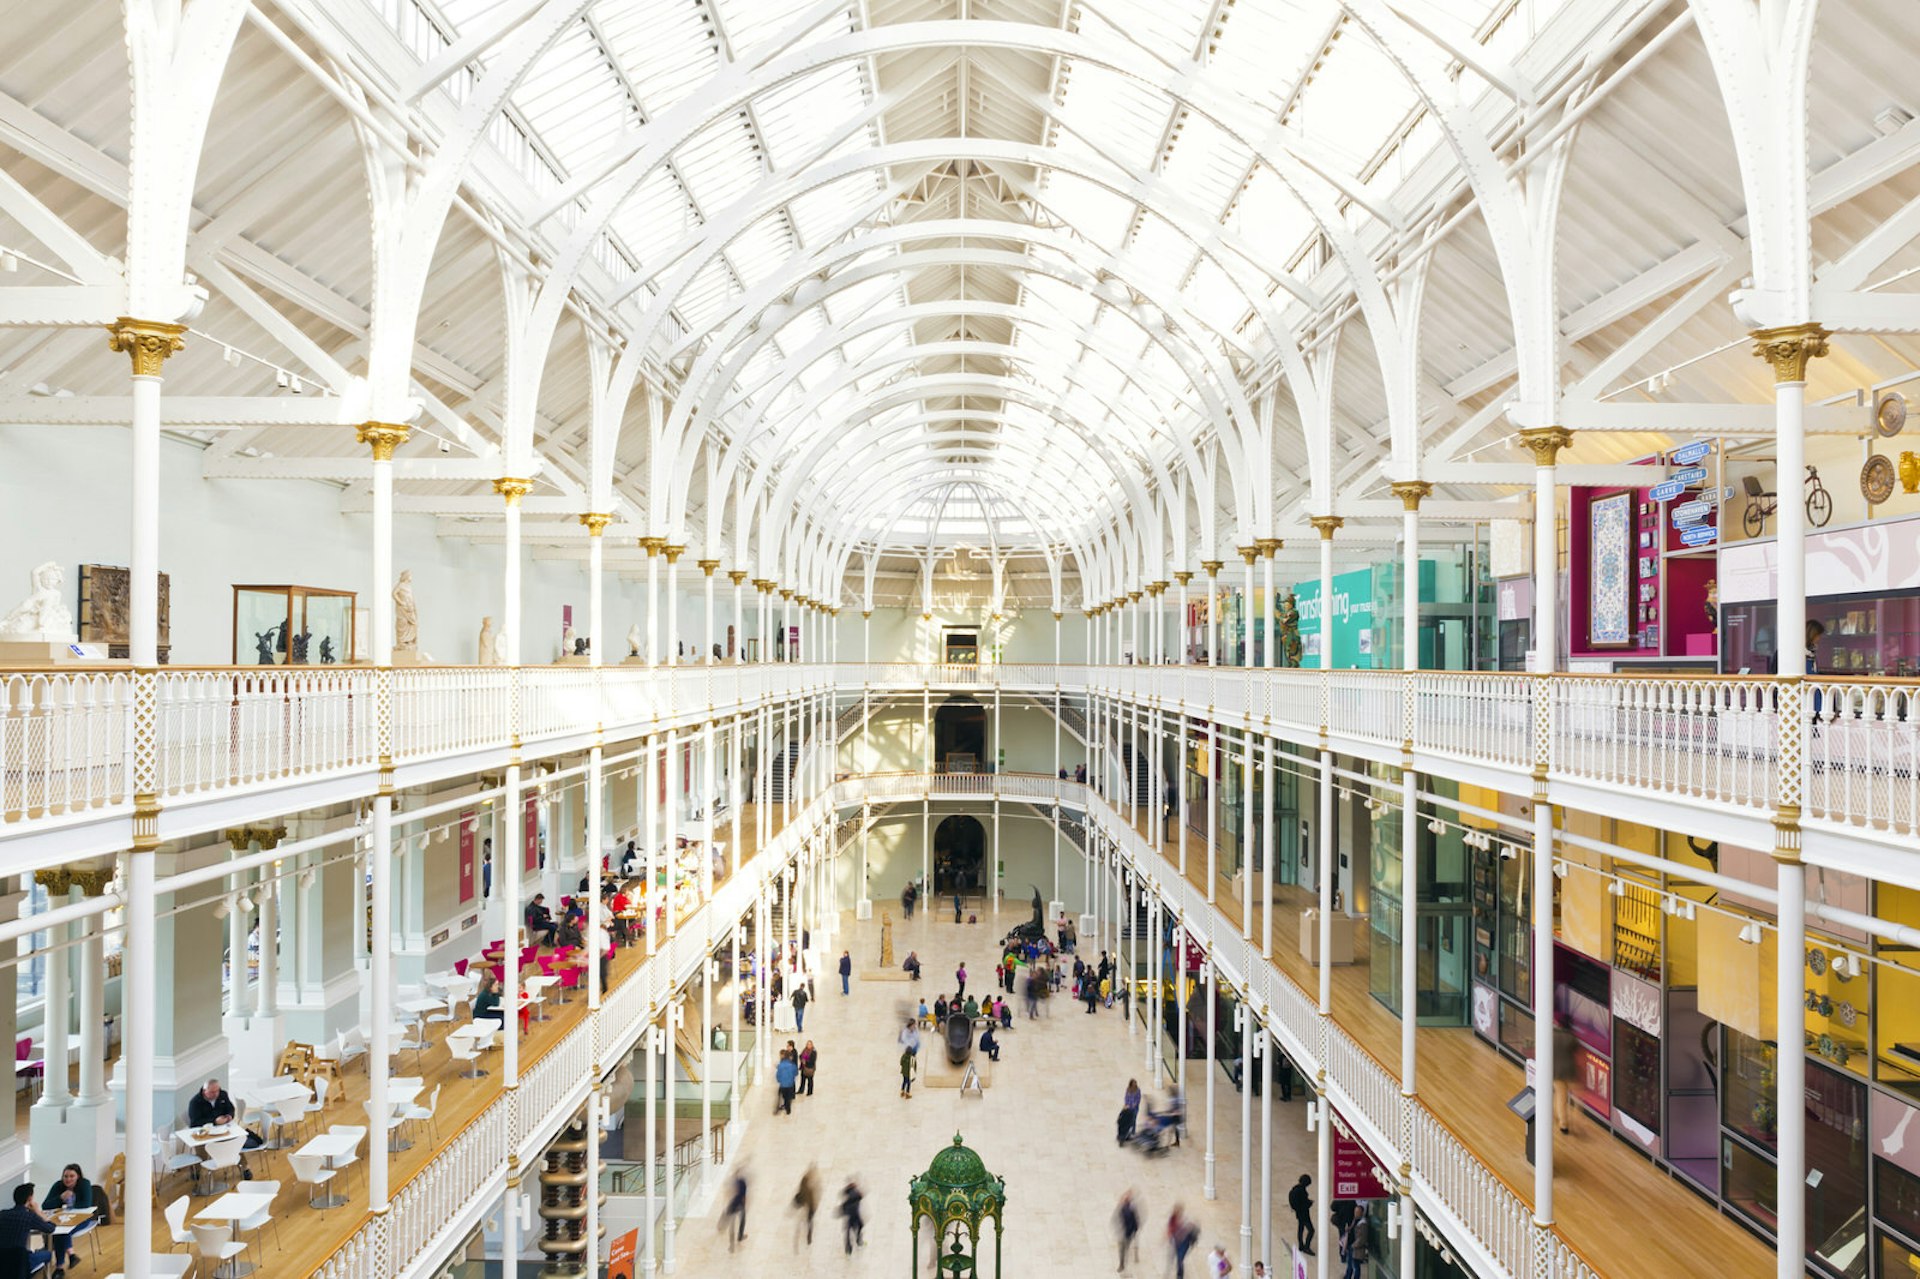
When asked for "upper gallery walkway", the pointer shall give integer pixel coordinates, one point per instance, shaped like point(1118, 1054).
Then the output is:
point(220, 746)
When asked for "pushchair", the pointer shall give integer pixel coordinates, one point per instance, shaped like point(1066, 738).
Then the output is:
point(1161, 1130)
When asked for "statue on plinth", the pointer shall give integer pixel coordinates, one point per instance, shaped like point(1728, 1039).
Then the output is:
point(489, 643)
point(326, 650)
point(566, 639)
point(1289, 631)
point(263, 645)
point(42, 617)
point(886, 939)
point(406, 613)
point(633, 640)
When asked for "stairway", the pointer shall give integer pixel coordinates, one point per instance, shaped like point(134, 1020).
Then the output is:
point(784, 765)
point(1136, 763)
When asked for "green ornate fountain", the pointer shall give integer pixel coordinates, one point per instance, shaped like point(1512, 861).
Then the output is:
point(957, 1194)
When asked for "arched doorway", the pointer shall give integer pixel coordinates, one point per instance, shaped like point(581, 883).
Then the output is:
point(959, 856)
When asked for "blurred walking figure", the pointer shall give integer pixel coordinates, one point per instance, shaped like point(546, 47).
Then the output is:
point(734, 1220)
point(1181, 1236)
point(1219, 1266)
point(1126, 1222)
point(806, 1201)
point(849, 1210)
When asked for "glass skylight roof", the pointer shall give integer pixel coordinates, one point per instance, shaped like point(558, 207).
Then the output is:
point(1058, 239)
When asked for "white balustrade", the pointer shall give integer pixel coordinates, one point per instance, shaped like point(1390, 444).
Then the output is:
point(64, 743)
point(1863, 754)
point(450, 710)
point(248, 726)
point(1474, 715)
point(66, 739)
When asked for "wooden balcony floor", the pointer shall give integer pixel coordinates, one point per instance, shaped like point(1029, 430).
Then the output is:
point(1600, 1183)
point(306, 1237)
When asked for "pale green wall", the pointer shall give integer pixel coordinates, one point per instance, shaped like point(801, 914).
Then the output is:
point(902, 635)
point(1026, 846)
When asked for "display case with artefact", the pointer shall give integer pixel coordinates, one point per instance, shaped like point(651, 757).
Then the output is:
point(292, 626)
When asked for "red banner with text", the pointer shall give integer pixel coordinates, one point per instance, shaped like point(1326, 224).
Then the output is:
point(468, 831)
point(533, 832)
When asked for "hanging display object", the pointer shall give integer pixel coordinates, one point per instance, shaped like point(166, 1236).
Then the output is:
point(1876, 479)
point(1910, 472)
point(1890, 414)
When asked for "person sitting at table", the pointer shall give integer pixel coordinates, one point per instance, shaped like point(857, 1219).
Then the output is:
point(211, 1106)
point(72, 1193)
point(19, 1224)
point(539, 920)
point(630, 861)
point(486, 1003)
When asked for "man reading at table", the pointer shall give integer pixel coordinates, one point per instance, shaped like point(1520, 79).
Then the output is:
point(211, 1106)
point(19, 1224)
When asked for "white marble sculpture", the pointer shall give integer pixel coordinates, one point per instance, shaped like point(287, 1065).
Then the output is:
point(489, 650)
point(406, 614)
point(566, 640)
point(43, 617)
point(633, 640)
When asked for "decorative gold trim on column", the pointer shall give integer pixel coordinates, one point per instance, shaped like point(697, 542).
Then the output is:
point(147, 342)
point(56, 880)
point(1790, 348)
point(1154, 588)
point(1268, 545)
point(1786, 835)
point(867, 612)
point(763, 584)
point(1213, 567)
point(1184, 576)
point(736, 575)
point(1327, 524)
point(512, 489)
point(1249, 553)
point(1410, 492)
point(596, 522)
point(673, 553)
point(1545, 442)
point(707, 566)
point(1058, 615)
point(146, 823)
point(1133, 597)
point(384, 437)
point(93, 882)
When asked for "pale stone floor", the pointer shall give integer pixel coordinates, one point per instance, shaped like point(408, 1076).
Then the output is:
point(1046, 1124)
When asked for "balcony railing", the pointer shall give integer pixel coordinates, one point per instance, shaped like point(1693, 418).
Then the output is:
point(73, 744)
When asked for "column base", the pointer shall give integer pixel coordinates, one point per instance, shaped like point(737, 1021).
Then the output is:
point(13, 1159)
point(255, 1043)
point(78, 1133)
point(318, 1017)
point(863, 909)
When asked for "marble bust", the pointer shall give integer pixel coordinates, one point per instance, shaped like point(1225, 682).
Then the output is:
point(406, 614)
point(42, 617)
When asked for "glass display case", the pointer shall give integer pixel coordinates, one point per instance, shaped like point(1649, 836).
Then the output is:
point(1867, 635)
point(292, 626)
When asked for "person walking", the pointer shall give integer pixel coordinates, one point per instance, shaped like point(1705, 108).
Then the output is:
point(799, 1007)
point(1283, 1070)
point(1354, 1247)
point(906, 901)
point(910, 1036)
point(846, 970)
point(1126, 1223)
point(806, 1201)
point(1301, 1201)
point(786, 1072)
point(906, 1074)
point(809, 1062)
point(1032, 993)
point(956, 908)
point(1219, 1265)
point(1564, 1073)
point(1129, 1112)
point(1181, 1236)
point(736, 1213)
point(852, 1223)
point(960, 980)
